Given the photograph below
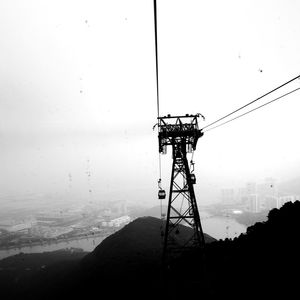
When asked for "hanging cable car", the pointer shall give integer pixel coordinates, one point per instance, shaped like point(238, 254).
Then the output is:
point(193, 179)
point(161, 194)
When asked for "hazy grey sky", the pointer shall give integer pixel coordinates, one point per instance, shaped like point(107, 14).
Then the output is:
point(77, 93)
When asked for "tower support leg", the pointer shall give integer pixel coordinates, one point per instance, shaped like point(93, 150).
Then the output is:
point(182, 211)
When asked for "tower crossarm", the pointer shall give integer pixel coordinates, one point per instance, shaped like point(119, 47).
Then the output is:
point(173, 129)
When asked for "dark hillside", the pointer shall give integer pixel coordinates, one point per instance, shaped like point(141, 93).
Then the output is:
point(262, 263)
point(140, 240)
point(133, 254)
point(32, 276)
point(126, 263)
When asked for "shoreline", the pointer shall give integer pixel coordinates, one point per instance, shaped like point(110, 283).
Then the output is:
point(55, 241)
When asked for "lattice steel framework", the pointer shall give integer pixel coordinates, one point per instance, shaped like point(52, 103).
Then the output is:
point(182, 133)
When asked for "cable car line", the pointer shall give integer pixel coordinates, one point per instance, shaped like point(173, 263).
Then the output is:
point(239, 116)
point(251, 102)
point(161, 191)
point(156, 55)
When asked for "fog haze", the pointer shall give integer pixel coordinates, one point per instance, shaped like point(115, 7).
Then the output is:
point(78, 98)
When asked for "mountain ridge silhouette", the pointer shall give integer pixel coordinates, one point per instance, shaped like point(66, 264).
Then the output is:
point(263, 262)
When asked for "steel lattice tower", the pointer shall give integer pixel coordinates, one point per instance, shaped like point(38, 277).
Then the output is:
point(182, 133)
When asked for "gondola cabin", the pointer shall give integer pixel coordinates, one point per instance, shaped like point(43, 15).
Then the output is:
point(193, 179)
point(161, 194)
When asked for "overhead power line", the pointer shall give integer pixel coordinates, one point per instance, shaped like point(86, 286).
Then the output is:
point(248, 112)
point(277, 88)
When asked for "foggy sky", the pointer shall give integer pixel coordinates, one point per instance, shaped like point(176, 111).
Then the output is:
point(77, 94)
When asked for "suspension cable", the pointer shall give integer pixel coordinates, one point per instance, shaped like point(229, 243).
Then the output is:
point(251, 102)
point(239, 116)
point(157, 86)
point(156, 55)
point(157, 94)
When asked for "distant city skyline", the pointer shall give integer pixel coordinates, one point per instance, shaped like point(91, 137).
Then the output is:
point(258, 196)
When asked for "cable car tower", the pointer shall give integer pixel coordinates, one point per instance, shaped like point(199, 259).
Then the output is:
point(182, 134)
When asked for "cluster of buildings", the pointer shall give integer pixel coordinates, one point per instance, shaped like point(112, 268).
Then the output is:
point(49, 232)
point(118, 222)
point(56, 223)
point(256, 197)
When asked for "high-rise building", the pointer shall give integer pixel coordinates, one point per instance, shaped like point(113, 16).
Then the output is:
point(253, 203)
point(251, 188)
point(251, 198)
point(284, 199)
point(268, 193)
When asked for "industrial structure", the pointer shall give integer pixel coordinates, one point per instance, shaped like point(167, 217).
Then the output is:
point(182, 134)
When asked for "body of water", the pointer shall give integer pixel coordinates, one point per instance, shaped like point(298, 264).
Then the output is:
point(87, 244)
point(221, 227)
point(217, 227)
